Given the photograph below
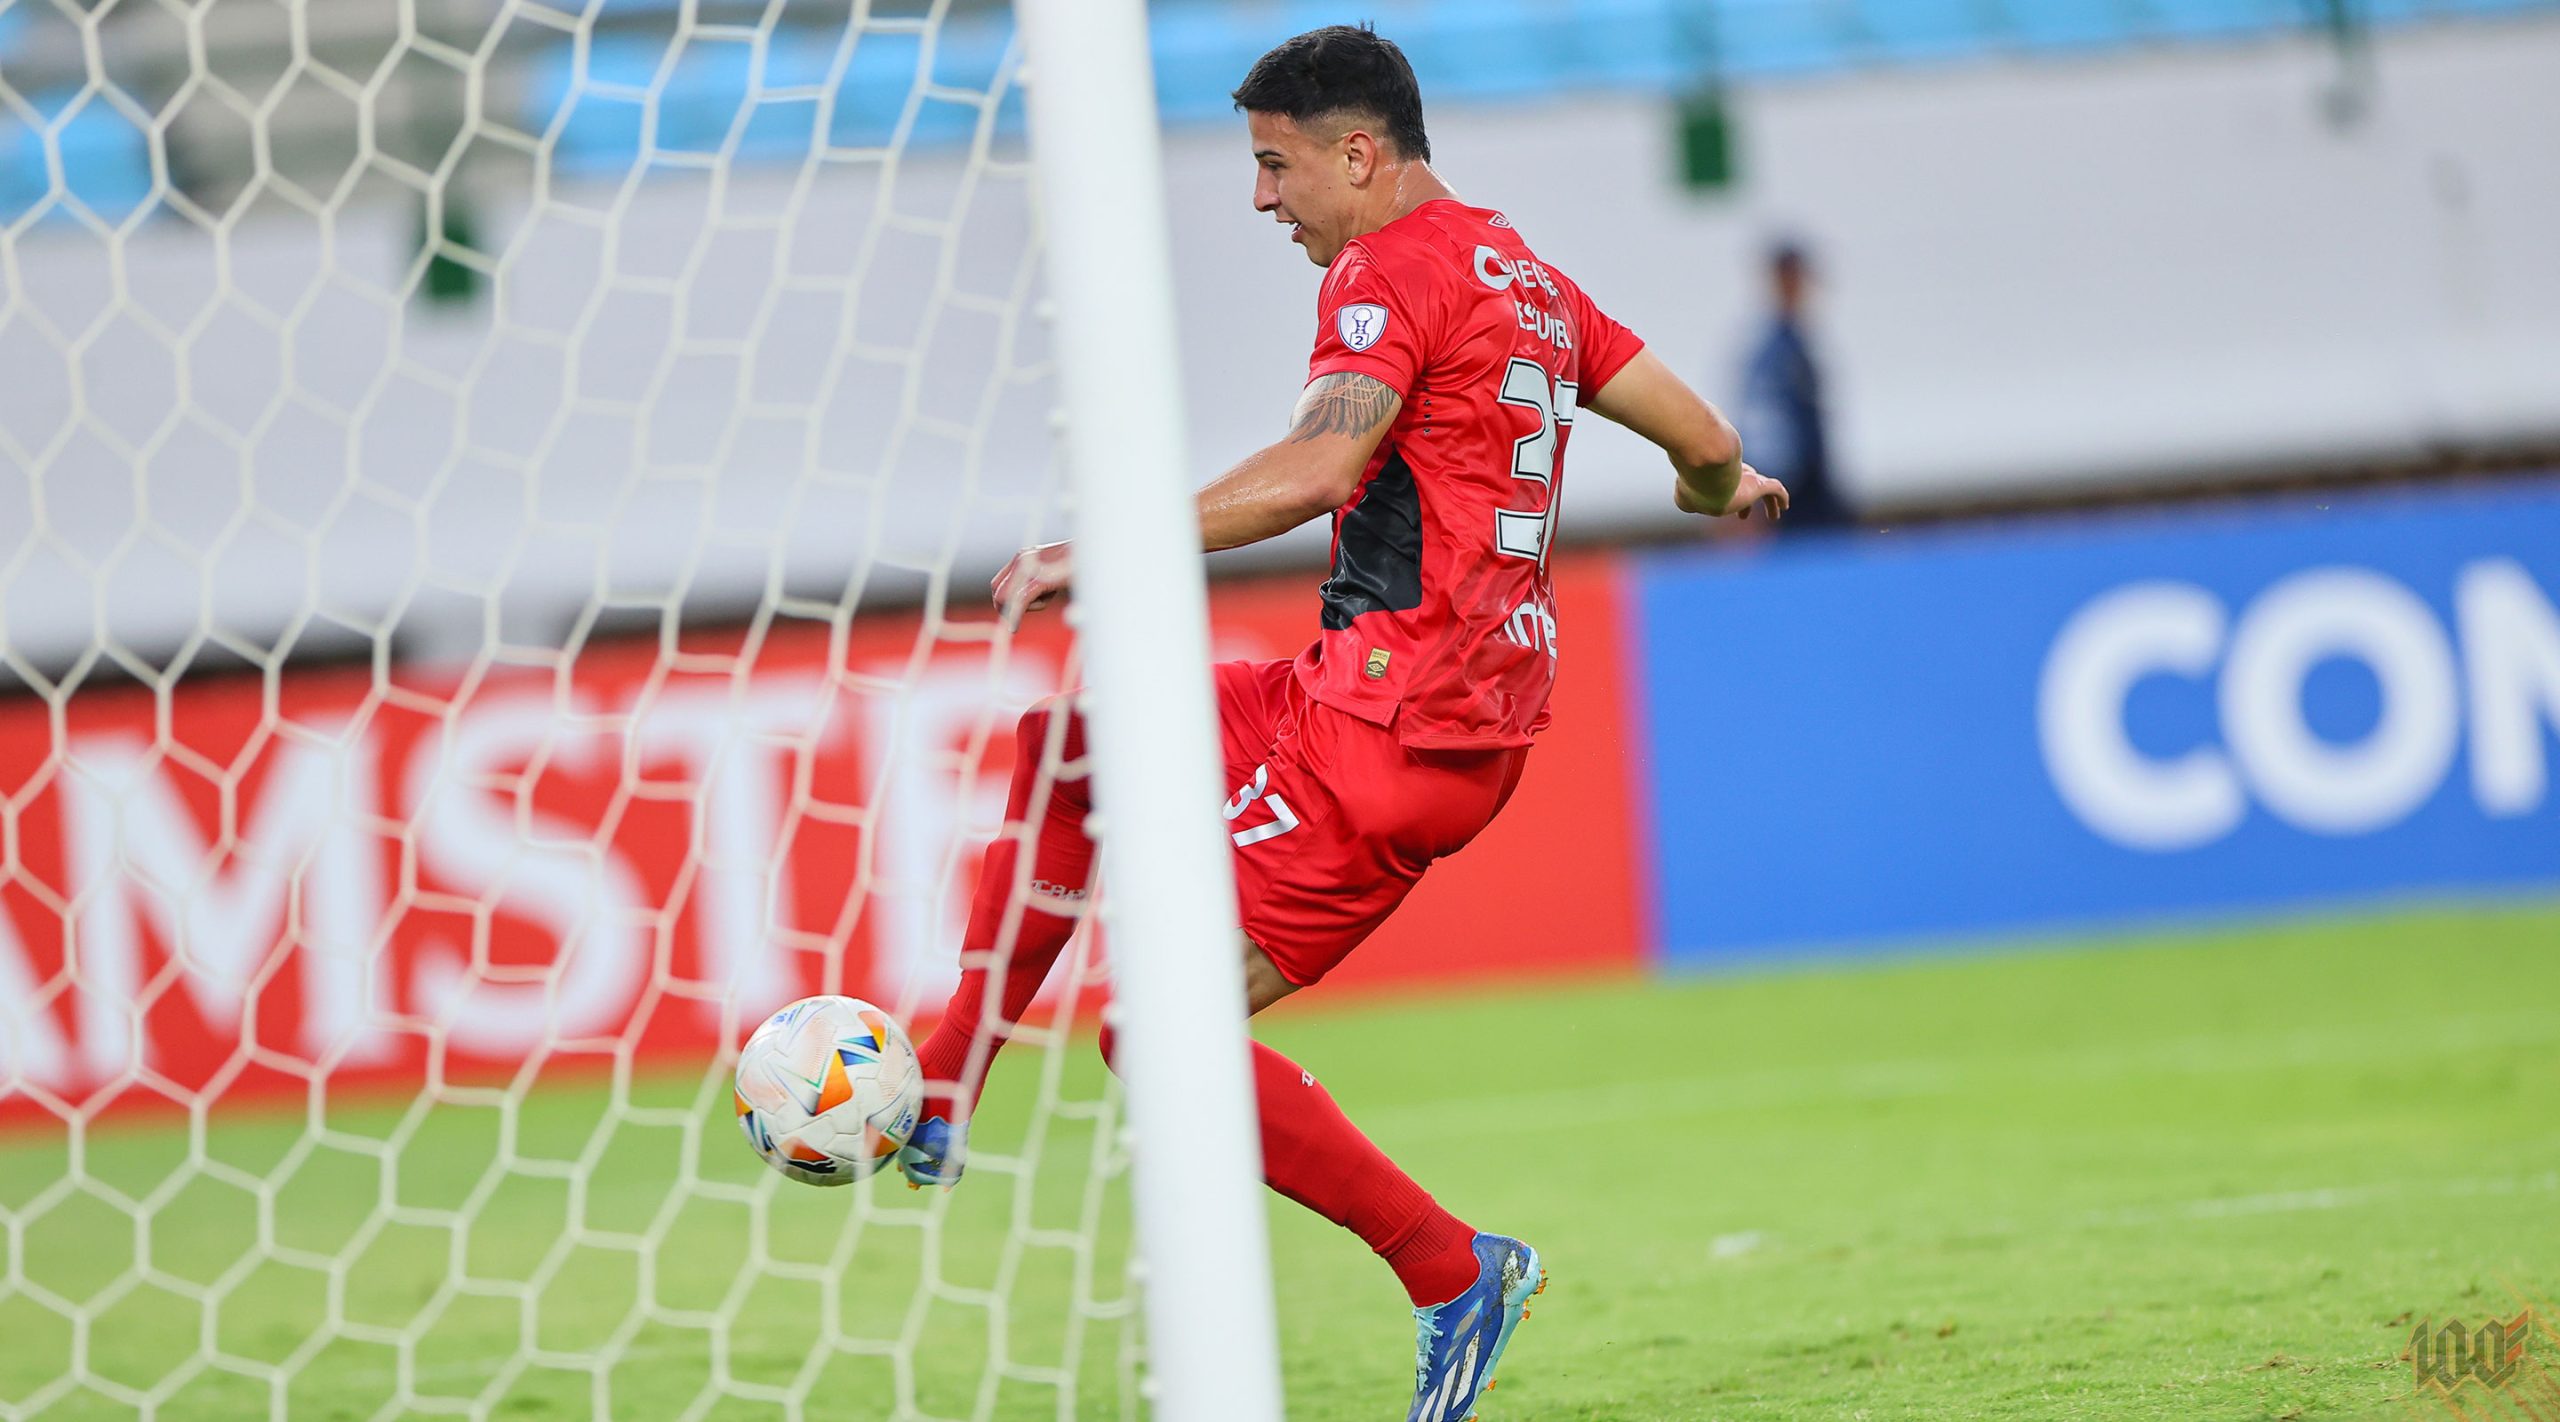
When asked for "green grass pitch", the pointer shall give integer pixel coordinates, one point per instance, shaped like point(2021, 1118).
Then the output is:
point(2210, 1176)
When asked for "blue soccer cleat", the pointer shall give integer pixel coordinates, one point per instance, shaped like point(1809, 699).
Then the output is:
point(1457, 1344)
point(935, 1154)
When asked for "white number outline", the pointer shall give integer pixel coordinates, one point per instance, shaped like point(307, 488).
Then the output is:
point(1526, 533)
point(1283, 819)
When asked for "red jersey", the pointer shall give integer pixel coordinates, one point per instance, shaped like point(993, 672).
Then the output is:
point(1439, 619)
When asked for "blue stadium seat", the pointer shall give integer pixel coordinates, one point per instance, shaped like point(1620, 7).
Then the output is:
point(1776, 37)
point(1487, 49)
point(1201, 53)
point(2206, 19)
point(1922, 29)
point(1642, 44)
point(2081, 24)
point(716, 88)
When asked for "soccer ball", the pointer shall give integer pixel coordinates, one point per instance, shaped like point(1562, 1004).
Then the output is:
point(828, 1090)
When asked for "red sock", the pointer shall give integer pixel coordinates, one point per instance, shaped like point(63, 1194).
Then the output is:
point(1014, 937)
point(1314, 1155)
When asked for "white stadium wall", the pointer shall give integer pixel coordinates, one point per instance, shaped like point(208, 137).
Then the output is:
point(2038, 275)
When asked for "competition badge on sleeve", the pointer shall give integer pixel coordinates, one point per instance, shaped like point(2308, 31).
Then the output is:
point(1361, 324)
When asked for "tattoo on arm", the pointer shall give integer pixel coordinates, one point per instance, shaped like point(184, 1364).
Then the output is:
point(1343, 403)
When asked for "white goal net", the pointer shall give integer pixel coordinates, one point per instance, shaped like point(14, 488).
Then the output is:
point(495, 504)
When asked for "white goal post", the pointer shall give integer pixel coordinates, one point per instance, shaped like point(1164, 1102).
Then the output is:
point(1141, 605)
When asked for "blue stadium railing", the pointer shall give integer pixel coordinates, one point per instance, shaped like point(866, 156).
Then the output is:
point(1464, 49)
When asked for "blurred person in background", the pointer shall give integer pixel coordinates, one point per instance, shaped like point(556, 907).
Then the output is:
point(1782, 417)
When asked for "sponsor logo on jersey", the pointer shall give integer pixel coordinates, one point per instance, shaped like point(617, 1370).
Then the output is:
point(1499, 272)
point(1361, 324)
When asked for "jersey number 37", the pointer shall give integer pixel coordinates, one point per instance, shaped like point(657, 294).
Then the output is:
point(1521, 533)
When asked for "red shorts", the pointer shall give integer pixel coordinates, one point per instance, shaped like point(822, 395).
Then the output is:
point(1333, 819)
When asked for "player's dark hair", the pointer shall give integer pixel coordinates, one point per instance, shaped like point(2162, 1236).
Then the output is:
point(1337, 71)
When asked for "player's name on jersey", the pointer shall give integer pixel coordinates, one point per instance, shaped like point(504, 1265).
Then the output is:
point(1548, 326)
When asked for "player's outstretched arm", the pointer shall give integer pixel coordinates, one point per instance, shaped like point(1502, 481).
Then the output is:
point(1312, 471)
point(1705, 452)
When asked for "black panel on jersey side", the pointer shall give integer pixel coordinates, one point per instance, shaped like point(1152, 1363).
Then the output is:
point(1377, 558)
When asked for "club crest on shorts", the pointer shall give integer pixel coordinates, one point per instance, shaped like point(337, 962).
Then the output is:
point(1361, 324)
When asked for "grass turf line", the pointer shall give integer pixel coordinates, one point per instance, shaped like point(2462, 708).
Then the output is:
point(2197, 1177)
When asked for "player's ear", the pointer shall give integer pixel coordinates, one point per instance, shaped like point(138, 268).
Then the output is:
point(1359, 157)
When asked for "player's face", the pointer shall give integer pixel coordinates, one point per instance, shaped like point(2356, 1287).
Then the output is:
point(1304, 180)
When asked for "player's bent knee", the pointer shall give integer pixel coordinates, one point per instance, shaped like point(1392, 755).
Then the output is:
point(1263, 983)
point(1031, 733)
point(1051, 733)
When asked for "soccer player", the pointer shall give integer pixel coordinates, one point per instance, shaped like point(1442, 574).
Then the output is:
point(1450, 363)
